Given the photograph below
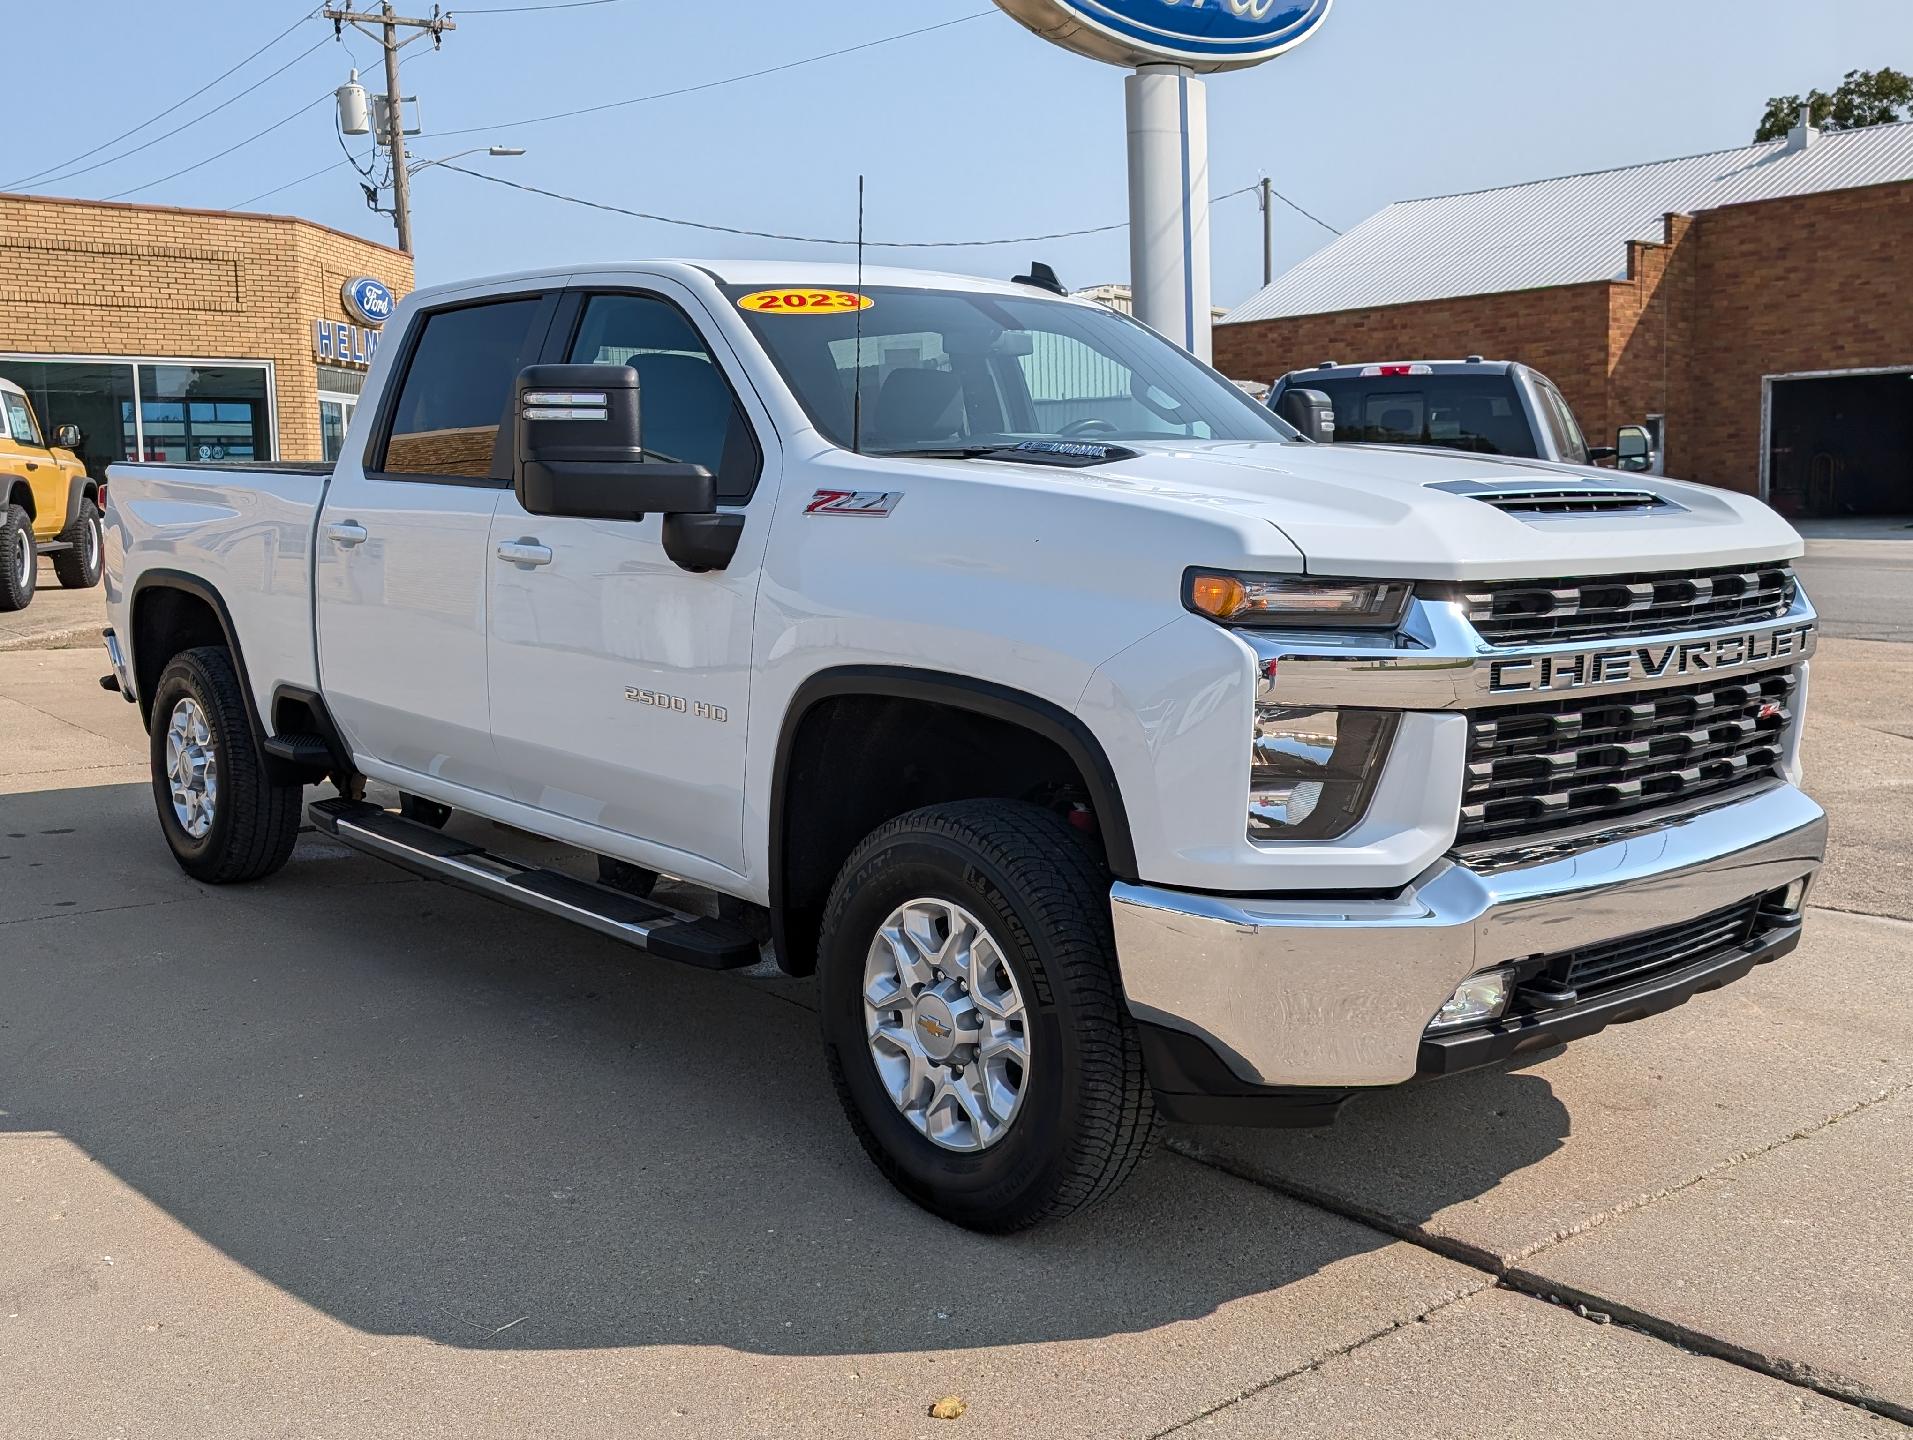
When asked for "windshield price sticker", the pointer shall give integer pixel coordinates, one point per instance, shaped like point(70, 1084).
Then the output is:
point(805, 302)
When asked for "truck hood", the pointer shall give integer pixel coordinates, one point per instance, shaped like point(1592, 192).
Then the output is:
point(1390, 511)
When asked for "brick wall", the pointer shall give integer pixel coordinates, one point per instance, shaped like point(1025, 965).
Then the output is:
point(97, 278)
point(1821, 282)
point(1814, 282)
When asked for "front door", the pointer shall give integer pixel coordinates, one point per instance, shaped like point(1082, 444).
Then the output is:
point(620, 683)
point(23, 453)
point(402, 561)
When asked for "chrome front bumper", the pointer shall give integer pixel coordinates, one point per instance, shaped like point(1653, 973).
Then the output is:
point(1339, 991)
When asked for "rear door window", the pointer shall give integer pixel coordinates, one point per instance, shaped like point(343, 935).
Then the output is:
point(458, 380)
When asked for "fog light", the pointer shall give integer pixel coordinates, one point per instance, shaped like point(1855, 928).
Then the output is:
point(1477, 1000)
point(1790, 900)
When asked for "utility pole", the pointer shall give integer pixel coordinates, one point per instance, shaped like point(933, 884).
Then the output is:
point(1268, 231)
point(390, 25)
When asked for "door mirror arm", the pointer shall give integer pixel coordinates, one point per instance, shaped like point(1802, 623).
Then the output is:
point(578, 451)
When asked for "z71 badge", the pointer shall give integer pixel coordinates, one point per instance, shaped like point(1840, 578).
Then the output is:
point(874, 504)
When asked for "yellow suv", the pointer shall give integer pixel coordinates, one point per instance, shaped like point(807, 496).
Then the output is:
point(48, 503)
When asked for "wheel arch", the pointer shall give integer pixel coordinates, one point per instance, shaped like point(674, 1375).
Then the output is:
point(796, 900)
point(20, 493)
point(171, 611)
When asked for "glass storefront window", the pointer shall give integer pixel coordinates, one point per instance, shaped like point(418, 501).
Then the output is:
point(97, 396)
point(204, 412)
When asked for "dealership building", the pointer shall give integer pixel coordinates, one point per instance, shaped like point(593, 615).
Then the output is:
point(1752, 307)
point(171, 334)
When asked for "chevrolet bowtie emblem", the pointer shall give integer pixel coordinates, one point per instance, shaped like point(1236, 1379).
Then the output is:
point(941, 1031)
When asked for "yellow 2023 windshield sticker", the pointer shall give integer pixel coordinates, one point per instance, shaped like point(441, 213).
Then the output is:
point(805, 302)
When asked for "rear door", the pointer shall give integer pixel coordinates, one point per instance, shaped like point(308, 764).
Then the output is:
point(619, 682)
point(402, 561)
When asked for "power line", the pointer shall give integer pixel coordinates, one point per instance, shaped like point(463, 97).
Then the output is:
point(1300, 211)
point(325, 169)
point(847, 242)
point(524, 9)
point(112, 159)
point(712, 84)
point(177, 104)
point(200, 164)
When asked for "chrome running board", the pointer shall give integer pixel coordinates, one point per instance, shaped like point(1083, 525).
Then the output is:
point(669, 934)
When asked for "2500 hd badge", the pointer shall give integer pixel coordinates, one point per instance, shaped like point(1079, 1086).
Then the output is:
point(1634, 665)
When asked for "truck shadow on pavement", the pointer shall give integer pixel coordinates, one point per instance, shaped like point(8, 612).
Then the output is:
point(422, 1113)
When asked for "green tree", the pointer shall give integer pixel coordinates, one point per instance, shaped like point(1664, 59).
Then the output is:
point(1865, 97)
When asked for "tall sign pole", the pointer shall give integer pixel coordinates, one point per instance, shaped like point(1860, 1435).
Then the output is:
point(1170, 45)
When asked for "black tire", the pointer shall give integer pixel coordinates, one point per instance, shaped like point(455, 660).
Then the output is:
point(17, 582)
point(79, 567)
point(1087, 1117)
point(254, 820)
point(421, 811)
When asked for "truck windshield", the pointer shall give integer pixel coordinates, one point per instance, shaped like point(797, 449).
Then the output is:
point(948, 369)
point(1479, 413)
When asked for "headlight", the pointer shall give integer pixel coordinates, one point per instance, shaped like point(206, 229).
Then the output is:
point(1313, 772)
point(1292, 602)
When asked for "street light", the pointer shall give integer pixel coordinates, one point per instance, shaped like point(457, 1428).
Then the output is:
point(497, 151)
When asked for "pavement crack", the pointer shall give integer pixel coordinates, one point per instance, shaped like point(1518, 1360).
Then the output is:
point(1209, 1411)
point(101, 910)
point(1863, 914)
point(1510, 1271)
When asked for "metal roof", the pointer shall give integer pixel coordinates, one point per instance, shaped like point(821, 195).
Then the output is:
point(1566, 230)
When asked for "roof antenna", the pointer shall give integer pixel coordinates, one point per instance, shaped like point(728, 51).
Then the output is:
point(857, 396)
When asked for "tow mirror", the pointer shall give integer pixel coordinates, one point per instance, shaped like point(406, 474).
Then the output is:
point(1311, 412)
point(578, 451)
point(68, 437)
point(1634, 448)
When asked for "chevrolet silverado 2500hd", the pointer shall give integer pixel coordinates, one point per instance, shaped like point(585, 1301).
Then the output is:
point(1106, 748)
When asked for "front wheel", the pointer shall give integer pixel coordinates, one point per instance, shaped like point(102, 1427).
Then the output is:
point(223, 815)
point(973, 1021)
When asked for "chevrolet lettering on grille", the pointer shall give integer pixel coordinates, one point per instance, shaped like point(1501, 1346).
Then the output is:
point(1635, 664)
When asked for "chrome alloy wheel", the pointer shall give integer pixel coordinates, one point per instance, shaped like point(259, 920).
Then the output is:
point(946, 1025)
point(192, 768)
point(22, 558)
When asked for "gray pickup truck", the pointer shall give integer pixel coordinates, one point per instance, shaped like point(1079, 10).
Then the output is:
point(1485, 407)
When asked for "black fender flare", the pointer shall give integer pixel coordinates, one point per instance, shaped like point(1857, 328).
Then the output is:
point(192, 585)
point(80, 487)
point(963, 692)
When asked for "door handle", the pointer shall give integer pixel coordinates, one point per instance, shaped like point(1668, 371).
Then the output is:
point(526, 554)
point(346, 534)
point(33, 464)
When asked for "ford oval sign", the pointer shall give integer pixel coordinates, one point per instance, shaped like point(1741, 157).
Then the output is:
point(1204, 35)
point(367, 301)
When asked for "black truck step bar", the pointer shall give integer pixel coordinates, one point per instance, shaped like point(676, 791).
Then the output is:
point(669, 934)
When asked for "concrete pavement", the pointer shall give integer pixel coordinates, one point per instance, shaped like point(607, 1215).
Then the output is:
point(350, 1153)
point(56, 618)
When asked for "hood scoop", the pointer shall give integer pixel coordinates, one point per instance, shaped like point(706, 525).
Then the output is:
point(1533, 500)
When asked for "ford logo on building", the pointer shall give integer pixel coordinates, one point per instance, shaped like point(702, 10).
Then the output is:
point(367, 301)
point(1202, 34)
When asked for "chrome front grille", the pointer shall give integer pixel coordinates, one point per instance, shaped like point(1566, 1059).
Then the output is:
point(1538, 767)
point(1539, 612)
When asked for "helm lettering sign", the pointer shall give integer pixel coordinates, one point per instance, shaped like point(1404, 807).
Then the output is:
point(1204, 35)
point(367, 300)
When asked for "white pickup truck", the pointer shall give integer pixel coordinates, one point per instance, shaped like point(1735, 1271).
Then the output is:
point(1108, 749)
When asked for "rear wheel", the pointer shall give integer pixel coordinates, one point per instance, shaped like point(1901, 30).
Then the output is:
point(19, 558)
point(223, 815)
point(78, 568)
point(973, 1020)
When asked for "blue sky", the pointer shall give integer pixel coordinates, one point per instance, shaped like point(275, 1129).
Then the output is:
point(976, 131)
